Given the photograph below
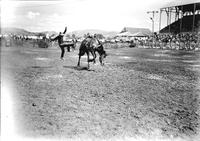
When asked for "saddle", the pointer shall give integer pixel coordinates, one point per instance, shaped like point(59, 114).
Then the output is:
point(67, 42)
point(93, 42)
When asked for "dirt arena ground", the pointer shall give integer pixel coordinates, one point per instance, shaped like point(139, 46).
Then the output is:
point(140, 94)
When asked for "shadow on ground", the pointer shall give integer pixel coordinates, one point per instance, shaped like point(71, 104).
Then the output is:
point(41, 67)
point(78, 68)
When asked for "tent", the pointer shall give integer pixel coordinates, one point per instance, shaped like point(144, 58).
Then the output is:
point(136, 30)
point(140, 34)
point(125, 34)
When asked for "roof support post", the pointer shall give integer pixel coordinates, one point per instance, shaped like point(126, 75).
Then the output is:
point(160, 20)
point(194, 9)
point(181, 19)
point(167, 12)
point(170, 14)
point(176, 14)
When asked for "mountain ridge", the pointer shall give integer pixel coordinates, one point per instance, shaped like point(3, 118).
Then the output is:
point(94, 31)
point(79, 33)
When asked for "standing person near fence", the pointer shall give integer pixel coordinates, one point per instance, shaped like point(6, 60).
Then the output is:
point(198, 40)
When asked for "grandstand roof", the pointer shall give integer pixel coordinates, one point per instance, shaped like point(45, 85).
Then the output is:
point(180, 3)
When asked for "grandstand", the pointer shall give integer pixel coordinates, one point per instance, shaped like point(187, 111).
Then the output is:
point(186, 13)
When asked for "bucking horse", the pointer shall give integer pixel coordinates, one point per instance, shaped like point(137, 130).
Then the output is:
point(63, 44)
point(92, 45)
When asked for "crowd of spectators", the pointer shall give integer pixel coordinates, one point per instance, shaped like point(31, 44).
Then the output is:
point(181, 41)
point(9, 40)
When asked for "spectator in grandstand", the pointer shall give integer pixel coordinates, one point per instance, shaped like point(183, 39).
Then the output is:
point(186, 41)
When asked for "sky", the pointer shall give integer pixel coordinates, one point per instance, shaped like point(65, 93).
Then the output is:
point(54, 15)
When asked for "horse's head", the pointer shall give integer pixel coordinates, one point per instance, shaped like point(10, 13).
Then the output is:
point(102, 54)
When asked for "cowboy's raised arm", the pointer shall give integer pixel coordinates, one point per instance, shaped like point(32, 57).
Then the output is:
point(65, 30)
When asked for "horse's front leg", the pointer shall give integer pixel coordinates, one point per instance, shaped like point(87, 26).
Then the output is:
point(94, 56)
point(101, 60)
point(88, 59)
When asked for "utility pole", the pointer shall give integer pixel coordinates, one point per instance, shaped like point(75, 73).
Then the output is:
point(152, 19)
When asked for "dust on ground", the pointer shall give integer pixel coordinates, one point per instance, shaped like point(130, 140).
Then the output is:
point(139, 93)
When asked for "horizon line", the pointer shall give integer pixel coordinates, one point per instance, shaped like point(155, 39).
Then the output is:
point(77, 29)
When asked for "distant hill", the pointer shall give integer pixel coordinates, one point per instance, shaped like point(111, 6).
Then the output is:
point(49, 33)
point(111, 34)
point(80, 33)
point(17, 31)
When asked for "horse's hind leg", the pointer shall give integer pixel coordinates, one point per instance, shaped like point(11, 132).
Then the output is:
point(81, 53)
point(79, 58)
point(94, 56)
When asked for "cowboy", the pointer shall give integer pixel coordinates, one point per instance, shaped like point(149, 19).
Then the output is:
point(62, 45)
